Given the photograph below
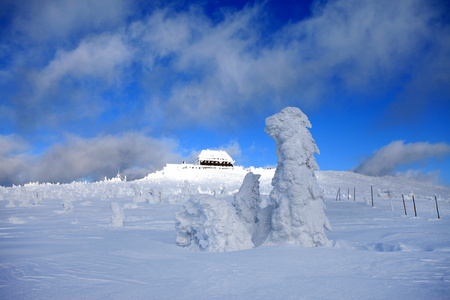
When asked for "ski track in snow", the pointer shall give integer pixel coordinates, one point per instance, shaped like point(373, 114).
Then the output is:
point(49, 253)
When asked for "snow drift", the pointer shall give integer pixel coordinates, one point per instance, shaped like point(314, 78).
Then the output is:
point(47, 253)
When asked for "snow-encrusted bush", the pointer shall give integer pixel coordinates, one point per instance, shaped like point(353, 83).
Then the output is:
point(187, 191)
point(247, 202)
point(10, 202)
point(67, 198)
point(109, 192)
point(139, 194)
point(155, 195)
point(298, 215)
point(210, 224)
point(117, 215)
point(67, 204)
point(26, 196)
point(221, 192)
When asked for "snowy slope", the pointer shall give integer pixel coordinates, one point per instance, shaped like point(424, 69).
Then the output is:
point(72, 251)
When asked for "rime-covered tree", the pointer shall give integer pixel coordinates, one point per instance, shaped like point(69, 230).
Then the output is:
point(209, 224)
point(247, 202)
point(117, 215)
point(298, 215)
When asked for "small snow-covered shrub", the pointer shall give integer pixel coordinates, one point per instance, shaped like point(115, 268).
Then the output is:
point(130, 206)
point(154, 195)
point(210, 224)
point(247, 199)
point(139, 194)
point(109, 193)
point(67, 204)
point(187, 191)
point(23, 196)
point(247, 202)
point(67, 199)
point(10, 196)
point(10, 203)
point(29, 196)
point(221, 192)
point(117, 215)
point(16, 220)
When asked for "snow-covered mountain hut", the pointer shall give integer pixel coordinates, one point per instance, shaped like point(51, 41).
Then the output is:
point(214, 158)
point(206, 160)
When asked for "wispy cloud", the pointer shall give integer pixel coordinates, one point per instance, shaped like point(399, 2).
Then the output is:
point(233, 149)
point(224, 69)
point(388, 158)
point(210, 73)
point(47, 20)
point(13, 159)
point(70, 86)
point(133, 154)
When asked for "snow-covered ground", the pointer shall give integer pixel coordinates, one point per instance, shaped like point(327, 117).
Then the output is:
point(67, 242)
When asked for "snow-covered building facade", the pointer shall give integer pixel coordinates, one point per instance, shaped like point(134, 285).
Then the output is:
point(214, 158)
point(207, 159)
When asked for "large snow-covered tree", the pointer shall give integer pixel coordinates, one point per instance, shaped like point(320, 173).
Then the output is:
point(298, 215)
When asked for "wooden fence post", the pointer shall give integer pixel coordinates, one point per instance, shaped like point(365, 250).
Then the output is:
point(437, 209)
point(414, 204)
point(371, 193)
point(404, 206)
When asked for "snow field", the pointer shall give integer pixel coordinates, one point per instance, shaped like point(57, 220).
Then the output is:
point(49, 253)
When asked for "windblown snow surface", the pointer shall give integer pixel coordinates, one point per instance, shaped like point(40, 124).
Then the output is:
point(117, 240)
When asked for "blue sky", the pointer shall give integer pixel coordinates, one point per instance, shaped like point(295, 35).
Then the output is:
point(88, 88)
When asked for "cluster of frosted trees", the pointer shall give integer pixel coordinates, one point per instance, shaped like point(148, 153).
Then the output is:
point(295, 214)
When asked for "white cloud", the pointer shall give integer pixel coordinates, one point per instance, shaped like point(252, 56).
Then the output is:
point(131, 153)
point(209, 61)
point(101, 57)
point(13, 159)
point(212, 73)
point(134, 154)
point(224, 70)
point(233, 149)
point(11, 144)
point(68, 59)
point(70, 86)
point(63, 19)
point(386, 160)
